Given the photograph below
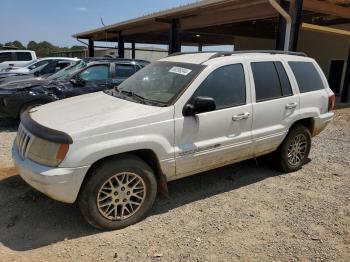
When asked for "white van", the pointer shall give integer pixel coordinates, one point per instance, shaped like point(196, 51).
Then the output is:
point(177, 117)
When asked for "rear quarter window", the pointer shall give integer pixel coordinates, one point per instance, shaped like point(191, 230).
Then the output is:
point(307, 76)
point(23, 56)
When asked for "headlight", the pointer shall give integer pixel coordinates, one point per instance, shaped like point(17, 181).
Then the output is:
point(39, 150)
point(46, 152)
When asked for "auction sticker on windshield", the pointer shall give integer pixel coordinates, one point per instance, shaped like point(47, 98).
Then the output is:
point(180, 70)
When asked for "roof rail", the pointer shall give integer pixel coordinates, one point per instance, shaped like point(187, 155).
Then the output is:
point(223, 53)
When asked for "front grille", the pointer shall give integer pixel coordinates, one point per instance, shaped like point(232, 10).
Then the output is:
point(23, 141)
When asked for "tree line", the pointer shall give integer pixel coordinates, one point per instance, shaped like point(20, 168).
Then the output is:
point(42, 49)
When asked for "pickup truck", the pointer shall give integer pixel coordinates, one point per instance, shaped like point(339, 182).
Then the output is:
point(15, 58)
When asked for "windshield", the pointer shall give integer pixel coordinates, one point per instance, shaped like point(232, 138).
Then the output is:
point(160, 81)
point(68, 71)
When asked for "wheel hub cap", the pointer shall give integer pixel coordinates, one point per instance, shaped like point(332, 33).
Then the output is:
point(297, 150)
point(121, 196)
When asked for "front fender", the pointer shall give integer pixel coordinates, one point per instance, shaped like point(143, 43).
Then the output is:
point(83, 153)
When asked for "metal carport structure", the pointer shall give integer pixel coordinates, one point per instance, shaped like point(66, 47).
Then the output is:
point(218, 22)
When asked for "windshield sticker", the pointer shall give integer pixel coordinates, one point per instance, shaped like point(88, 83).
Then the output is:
point(180, 70)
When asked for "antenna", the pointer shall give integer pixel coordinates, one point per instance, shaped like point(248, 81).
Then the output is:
point(105, 31)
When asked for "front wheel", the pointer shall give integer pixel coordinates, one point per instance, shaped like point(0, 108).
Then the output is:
point(118, 193)
point(294, 151)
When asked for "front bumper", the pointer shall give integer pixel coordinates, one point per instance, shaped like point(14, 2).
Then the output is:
point(62, 184)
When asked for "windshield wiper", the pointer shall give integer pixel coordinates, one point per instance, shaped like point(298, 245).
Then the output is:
point(141, 98)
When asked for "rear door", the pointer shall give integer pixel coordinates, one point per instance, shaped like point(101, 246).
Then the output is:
point(275, 106)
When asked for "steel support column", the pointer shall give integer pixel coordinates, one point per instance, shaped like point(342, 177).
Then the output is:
point(174, 37)
point(281, 26)
point(296, 23)
point(91, 48)
point(133, 50)
point(345, 97)
point(121, 46)
point(200, 48)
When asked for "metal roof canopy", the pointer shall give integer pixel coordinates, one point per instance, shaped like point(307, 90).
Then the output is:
point(216, 22)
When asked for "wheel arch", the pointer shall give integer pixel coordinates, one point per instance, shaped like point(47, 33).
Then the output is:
point(147, 155)
point(308, 122)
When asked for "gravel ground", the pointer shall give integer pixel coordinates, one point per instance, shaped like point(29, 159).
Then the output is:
point(243, 212)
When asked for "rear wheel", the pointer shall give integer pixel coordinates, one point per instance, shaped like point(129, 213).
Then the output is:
point(295, 149)
point(118, 193)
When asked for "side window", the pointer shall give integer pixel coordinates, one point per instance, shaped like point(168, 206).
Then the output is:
point(95, 73)
point(23, 56)
point(284, 80)
point(307, 76)
point(6, 56)
point(38, 64)
point(267, 84)
point(226, 85)
point(124, 70)
point(61, 64)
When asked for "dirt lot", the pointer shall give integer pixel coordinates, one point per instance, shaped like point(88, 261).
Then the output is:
point(243, 212)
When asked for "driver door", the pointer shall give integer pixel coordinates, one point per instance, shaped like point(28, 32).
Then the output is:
point(213, 139)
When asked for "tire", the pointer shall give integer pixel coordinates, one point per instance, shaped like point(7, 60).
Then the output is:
point(104, 208)
point(294, 151)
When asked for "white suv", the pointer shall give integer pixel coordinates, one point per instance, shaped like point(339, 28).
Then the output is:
point(182, 115)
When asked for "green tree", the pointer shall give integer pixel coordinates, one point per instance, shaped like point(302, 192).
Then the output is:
point(32, 45)
point(15, 43)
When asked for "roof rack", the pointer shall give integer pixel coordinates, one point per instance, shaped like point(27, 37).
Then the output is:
point(223, 53)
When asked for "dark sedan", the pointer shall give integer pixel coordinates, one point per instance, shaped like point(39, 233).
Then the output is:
point(86, 76)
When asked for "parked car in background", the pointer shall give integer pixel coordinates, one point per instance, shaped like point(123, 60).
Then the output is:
point(86, 76)
point(15, 58)
point(180, 116)
point(40, 67)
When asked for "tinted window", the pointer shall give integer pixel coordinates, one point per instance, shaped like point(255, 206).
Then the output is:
point(23, 56)
point(307, 76)
point(267, 83)
point(284, 80)
point(124, 70)
point(95, 73)
point(61, 65)
point(5, 57)
point(226, 85)
point(38, 64)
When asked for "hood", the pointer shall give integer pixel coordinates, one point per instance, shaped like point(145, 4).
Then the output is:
point(25, 83)
point(95, 114)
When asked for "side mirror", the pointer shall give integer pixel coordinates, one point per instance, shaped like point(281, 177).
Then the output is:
point(37, 73)
point(201, 104)
point(77, 81)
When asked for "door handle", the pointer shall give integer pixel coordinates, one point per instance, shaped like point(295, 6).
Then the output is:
point(291, 105)
point(241, 116)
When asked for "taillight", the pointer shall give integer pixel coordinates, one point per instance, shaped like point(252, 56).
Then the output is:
point(331, 103)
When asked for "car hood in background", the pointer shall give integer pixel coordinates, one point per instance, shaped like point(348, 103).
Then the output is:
point(25, 83)
point(96, 114)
